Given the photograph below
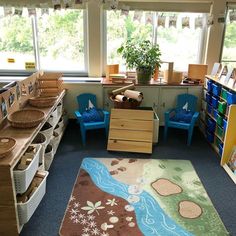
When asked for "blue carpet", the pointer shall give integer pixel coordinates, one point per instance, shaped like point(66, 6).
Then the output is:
point(63, 171)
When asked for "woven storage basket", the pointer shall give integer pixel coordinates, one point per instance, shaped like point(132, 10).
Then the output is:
point(25, 118)
point(7, 144)
point(42, 101)
point(125, 105)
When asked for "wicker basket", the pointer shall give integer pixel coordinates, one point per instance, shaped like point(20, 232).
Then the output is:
point(42, 101)
point(7, 144)
point(125, 105)
point(26, 118)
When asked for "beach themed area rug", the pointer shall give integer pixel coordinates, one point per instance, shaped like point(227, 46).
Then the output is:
point(134, 197)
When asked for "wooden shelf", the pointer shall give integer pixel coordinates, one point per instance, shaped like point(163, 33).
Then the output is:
point(221, 83)
point(9, 222)
point(229, 172)
point(24, 136)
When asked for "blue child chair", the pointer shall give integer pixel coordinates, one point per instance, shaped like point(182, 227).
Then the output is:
point(184, 116)
point(83, 102)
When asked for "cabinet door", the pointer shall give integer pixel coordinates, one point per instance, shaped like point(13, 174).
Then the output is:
point(107, 103)
point(150, 96)
point(197, 91)
point(168, 96)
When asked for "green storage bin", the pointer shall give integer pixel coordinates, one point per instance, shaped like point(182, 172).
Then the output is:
point(224, 93)
point(217, 141)
point(219, 120)
point(222, 107)
point(220, 132)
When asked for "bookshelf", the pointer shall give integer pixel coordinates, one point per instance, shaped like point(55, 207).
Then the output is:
point(221, 135)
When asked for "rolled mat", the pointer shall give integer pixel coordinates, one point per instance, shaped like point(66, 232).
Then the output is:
point(120, 98)
point(134, 94)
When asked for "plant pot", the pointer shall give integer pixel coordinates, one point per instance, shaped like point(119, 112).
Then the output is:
point(144, 75)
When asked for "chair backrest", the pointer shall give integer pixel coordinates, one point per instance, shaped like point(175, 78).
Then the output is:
point(189, 99)
point(83, 101)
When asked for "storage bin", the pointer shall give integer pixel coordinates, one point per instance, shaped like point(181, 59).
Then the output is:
point(204, 105)
point(208, 98)
point(224, 125)
point(209, 86)
point(216, 89)
point(47, 130)
point(40, 139)
point(53, 118)
point(48, 156)
point(215, 101)
point(211, 125)
point(220, 148)
point(209, 109)
point(215, 113)
point(224, 93)
point(231, 97)
point(23, 178)
point(26, 210)
point(220, 131)
point(58, 129)
point(55, 141)
point(219, 120)
point(217, 141)
point(222, 107)
point(210, 137)
point(59, 109)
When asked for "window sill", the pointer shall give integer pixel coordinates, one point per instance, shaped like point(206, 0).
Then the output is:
point(8, 79)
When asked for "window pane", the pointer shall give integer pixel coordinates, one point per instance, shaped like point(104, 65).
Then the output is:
point(178, 44)
point(61, 40)
point(119, 29)
point(16, 41)
point(229, 46)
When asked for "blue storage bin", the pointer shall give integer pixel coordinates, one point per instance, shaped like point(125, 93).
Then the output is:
point(220, 148)
point(215, 113)
point(231, 97)
point(216, 89)
point(209, 108)
point(215, 102)
point(209, 86)
point(210, 137)
point(224, 124)
point(211, 125)
point(208, 98)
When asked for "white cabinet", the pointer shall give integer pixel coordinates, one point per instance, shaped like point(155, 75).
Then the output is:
point(160, 98)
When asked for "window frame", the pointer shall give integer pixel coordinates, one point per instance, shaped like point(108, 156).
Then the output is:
point(233, 6)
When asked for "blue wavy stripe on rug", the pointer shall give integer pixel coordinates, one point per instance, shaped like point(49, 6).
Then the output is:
point(151, 219)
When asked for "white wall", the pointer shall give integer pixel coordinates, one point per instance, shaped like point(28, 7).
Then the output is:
point(74, 89)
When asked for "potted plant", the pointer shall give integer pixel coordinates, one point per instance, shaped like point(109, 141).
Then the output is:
point(143, 56)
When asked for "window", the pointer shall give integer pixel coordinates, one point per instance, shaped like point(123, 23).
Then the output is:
point(229, 45)
point(61, 41)
point(54, 41)
point(119, 29)
point(181, 45)
point(16, 42)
